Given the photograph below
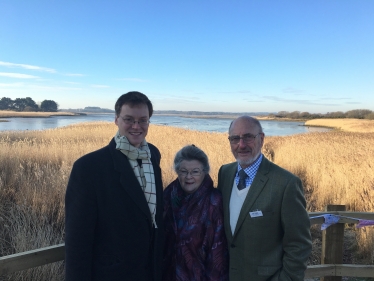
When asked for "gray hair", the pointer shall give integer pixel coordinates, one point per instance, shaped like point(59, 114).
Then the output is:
point(249, 119)
point(189, 153)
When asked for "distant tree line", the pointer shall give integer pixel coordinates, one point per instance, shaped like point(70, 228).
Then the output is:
point(356, 113)
point(27, 104)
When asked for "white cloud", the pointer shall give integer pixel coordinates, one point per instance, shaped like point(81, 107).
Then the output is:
point(18, 75)
point(27, 66)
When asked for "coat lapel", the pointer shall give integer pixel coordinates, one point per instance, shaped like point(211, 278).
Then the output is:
point(128, 180)
point(255, 190)
point(226, 195)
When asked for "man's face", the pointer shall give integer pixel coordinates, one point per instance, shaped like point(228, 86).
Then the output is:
point(246, 153)
point(135, 133)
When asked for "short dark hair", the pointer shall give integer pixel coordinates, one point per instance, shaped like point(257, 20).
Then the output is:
point(133, 98)
point(189, 153)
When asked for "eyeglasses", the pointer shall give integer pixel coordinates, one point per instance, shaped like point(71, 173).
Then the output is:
point(247, 138)
point(193, 173)
point(132, 121)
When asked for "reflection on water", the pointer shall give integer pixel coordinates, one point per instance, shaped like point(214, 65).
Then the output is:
point(271, 128)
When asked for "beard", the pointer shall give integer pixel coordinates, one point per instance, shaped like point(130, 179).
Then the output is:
point(249, 161)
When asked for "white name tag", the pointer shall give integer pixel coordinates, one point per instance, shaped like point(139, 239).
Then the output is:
point(255, 214)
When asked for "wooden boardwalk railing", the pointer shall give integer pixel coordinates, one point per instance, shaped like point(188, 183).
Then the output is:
point(38, 257)
point(30, 259)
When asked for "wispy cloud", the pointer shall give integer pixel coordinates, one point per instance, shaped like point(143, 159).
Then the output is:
point(353, 102)
point(236, 92)
point(133, 79)
point(99, 86)
point(11, 85)
point(27, 66)
point(291, 90)
point(55, 88)
point(18, 75)
point(298, 101)
point(333, 98)
point(176, 100)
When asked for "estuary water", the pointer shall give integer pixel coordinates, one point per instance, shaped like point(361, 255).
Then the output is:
point(271, 128)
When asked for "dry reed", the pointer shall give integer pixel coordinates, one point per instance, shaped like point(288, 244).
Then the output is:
point(336, 168)
point(346, 124)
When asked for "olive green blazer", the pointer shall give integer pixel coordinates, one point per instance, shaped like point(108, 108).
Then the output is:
point(277, 244)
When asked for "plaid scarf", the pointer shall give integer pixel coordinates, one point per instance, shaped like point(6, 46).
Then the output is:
point(144, 173)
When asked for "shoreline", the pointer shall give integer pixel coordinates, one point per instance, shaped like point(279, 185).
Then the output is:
point(14, 114)
point(232, 116)
point(348, 125)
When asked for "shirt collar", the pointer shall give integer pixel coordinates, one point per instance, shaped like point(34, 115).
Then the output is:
point(251, 170)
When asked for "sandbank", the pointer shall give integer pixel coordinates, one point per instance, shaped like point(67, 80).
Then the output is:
point(16, 114)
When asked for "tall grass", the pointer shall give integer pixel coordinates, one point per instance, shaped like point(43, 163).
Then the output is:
point(346, 124)
point(336, 168)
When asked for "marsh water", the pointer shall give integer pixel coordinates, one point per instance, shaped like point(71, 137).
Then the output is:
point(271, 128)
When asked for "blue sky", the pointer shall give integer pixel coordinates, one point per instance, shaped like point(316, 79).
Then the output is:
point(206, 55)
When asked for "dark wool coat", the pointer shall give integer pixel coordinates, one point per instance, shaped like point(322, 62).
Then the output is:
point(109, 233)
point(196, 247)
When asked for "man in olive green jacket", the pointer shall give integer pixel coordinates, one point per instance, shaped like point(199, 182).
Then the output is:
point(266, 223)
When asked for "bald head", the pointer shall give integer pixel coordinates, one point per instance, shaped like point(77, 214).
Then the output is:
point(247, 119)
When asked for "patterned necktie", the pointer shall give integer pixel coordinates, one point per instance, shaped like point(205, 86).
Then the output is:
point(242, 177)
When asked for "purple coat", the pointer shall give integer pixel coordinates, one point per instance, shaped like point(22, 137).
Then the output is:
point(195, 241)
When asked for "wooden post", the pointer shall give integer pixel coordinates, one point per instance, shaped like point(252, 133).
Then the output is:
point(332, 243)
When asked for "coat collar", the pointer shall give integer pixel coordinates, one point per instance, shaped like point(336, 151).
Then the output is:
point(229, 177)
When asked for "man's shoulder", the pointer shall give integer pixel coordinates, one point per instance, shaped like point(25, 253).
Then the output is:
point(229, 165)
point(153, 148)
point(155, 152)
point(274, 168)
point(100, 153)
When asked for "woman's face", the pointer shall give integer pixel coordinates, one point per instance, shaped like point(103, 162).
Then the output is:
point(190, 175)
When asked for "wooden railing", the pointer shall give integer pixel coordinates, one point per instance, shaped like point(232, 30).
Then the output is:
point(331, 235)
point(30, 259)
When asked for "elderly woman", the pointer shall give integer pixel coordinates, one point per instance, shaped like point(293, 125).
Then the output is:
point(195, 243)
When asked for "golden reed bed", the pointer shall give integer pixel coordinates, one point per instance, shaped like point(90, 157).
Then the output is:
point(336, 167)
point(346, 124)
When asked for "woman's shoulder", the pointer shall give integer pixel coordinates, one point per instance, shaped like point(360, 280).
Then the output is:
point(215, 196)
point(168, 190)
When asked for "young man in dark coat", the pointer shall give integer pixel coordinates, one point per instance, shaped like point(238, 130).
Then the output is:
point(113, 203)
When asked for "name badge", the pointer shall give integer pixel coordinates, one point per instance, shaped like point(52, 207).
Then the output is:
point(255, 214)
